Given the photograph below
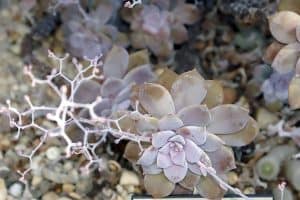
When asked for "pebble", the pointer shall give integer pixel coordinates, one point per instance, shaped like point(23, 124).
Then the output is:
point(129, 178)
point(3, 190)
point(68, 188)
point(16, 189)
point(265, 118)
point(53, 153)
point(36, 180)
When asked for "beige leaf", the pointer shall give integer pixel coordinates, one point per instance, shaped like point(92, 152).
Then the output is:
point(158, 185)
point(294, 93)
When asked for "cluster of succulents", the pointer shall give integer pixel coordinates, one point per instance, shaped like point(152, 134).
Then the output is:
point(285, 28)
point(160, 24)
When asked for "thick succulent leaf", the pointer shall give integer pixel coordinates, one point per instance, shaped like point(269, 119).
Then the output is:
point(195, 115)
point(195, 133)
point(178, 157)
point(294, 93)
point(147, 124)
point(286, 59)
point(151, 169)
point(178, 139)
point(169, 122)
point(155, 99)
point(190, 180)
point(140, 75)
point(87, 92)
point(244, 136)
point(166, 78)
point(116, 62)
point(196, 169)
point(103, 108)
point(193, 152)
point(227, 119)
point(188, 89)
point(179, 33)
point(283, 26)
point(209, 188)
point(138, 58)
point(222, 160)
point(158, 185)
point(215, 95)
point(163, 160)
point(186, 13)
point(161, 138)
point(132, 151)
point(148, 157)
point(165, 149)
point(124, 94)
point(111, 87)
point(212, 143)
point(176, 173)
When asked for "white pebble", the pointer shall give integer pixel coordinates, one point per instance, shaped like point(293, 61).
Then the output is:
point(53, 153)
point(16, 189)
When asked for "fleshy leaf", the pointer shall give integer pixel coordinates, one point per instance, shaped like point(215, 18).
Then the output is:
point(161, 138)
point(111, 87)
point(209, 188)
point(87, 92)
point(132, 151)
point(215, 95)
point(116, 62)
point(188, 89)
point(195, 133)
point(283, 26)
point(178, 157)
point(222, 160)
point(227, 119)
point(147, 124)
point(195, 168)
point(294, 93)
point(176, 173)
point(286, 59)
point(193, 152)
point(212, 143)
point(195, 115)
point(151, 169)
point(138, 58)
point(170, 122)
point(163, 160)
point(103, 107)
point(190, 181)
point(179, 33)
point(140, 75)
point(155, 99)
point(178, 139)
point(158, 185)
point(244, 136)
point(148, 157)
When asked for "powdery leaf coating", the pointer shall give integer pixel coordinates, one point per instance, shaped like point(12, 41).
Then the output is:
point(161, 138)
point(87, 92)
point(283, 26)
point(116, 62)
point(158, 185)
point(228, 119)
point(155, 99)
point(111, 87)
point(212, 143)
point(222, 160)
point(170, 122)
point(190, 181)
point(188, 89)
point(194, 133)
point(244, 136)
point(176, 173)
point(148, 157)
point(139, 75)
point(294, 93)
point(286, 59)
point(208, 188)
point(195, 115)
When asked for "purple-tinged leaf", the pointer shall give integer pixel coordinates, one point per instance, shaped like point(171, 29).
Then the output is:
point(212, 143)
point(178, 157)
point(151, 169)
point(140, 75)
point(169, 122)
point(196, 134)
point(176, 173)
point(193, 152)
point(195, 115)
point(111, 87)
point(87, 92)
point(161, 138)
point(163, 160)
point(148, 157)
point(177, 138)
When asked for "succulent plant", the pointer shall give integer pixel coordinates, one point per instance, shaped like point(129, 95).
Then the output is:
point(160, 25)
point(190, 131)
point(285, 27)
point(116, 87)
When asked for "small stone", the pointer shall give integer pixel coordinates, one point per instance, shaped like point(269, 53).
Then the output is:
point(129, 178)
point(3, 190)
point(249, 190)
point(232, 178)
point(75, 195)
point(68, 188)
point(53, 153)
point(16, 189)
point(84, 185)
point(50, 196)
point(264, 118)
point(64, 198)
point(36, 180)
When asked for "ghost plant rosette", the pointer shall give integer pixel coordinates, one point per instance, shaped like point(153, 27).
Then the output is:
point(190, 135)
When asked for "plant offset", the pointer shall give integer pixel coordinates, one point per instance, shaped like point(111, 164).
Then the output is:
point(106, 99)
